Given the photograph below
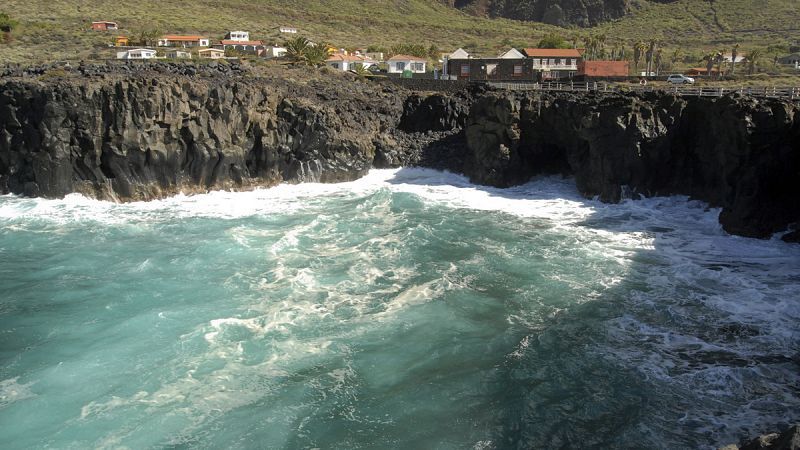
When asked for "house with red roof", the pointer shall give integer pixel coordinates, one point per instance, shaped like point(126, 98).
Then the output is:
point(401, 63)
point(176, 40)
point(104, 26)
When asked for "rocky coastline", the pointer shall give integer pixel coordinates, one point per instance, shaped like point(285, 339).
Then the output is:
point(138, 132)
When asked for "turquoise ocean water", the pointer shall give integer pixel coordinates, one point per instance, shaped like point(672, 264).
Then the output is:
point(409, 309)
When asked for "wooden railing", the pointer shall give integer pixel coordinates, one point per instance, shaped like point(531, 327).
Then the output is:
point(693, 91)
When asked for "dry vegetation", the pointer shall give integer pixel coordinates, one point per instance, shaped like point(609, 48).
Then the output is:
point(59, 29)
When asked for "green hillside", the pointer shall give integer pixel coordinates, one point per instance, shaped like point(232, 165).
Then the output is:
point(59, 29)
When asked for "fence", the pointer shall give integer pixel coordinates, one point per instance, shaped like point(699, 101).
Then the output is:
point(791, 93)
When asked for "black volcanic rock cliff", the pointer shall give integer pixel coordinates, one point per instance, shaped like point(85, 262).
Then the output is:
point(582, 13)
point(146, 135)
point(741, 154)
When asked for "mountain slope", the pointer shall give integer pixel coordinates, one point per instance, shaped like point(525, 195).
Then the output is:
point(58, 29)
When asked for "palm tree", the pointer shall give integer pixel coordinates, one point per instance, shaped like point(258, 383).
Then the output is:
point(734, 54)
point(362, 71)
point(575, 39)
point(719, 58)
point(675, 56)
point(638, 51)
point(315, 55)
point(651, 49)
point(753, 59)
point(659, 60)
point(589, 43)
point(709, 59)
point(296, 49)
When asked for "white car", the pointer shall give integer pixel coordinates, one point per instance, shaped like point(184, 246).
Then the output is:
point(680, 79)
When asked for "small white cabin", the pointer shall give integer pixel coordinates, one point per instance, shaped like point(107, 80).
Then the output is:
point(178, 54)
point(344, 62)
point(137, 53)
point(275, 52)
point(237, 36)
point(211, 53)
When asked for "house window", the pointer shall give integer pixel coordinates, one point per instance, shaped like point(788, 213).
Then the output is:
point(464, 70)
point(552, 62)
point(401, 66)
point(418, 67)
point(335, 65)
point(517, 70)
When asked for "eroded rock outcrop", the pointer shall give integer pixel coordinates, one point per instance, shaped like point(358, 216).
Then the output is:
point(143, 137)
point(741, 154)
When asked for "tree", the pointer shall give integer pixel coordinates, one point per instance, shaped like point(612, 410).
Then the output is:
point(753, 58)
point(709, 59)
point(316, 55)
point(675, 56)
point(659, 60)
point(734, 55)
point(649, 54)
point(296, 49)
point(360, 70)
point(148, 36)
point(553, 41)
point(638, 51)
point(719, 58)
point(7, 24)
point(433, 52)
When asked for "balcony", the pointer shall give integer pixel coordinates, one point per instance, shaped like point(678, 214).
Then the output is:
point(556, 66)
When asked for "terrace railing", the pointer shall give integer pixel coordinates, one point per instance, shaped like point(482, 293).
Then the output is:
point(689, 91)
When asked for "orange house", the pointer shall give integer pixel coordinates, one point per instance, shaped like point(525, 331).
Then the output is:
point(122, 41)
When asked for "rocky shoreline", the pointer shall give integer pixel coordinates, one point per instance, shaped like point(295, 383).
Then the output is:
point(138, 132)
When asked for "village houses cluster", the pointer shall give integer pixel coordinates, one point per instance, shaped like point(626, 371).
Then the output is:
point(239, 42)
point(528, 64)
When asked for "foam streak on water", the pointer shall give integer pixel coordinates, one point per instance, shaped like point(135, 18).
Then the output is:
point(408, 309)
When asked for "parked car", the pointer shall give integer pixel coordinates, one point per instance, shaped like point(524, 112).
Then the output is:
point(680, 79)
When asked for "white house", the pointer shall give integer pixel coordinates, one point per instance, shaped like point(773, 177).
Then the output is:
point(401, 63)
point(178, 54)
point(137, 53)
point(728, 57)
point(289, 30)
point(211, 53)
point(254, 47)
point(174, 40)
point(237, 36)
point(348, 62)
point(275, 52)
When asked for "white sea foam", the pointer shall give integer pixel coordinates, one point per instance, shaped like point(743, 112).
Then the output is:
point(12, 391)
point(733, 280)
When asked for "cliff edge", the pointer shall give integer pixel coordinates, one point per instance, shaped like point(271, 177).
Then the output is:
point(142, 132)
